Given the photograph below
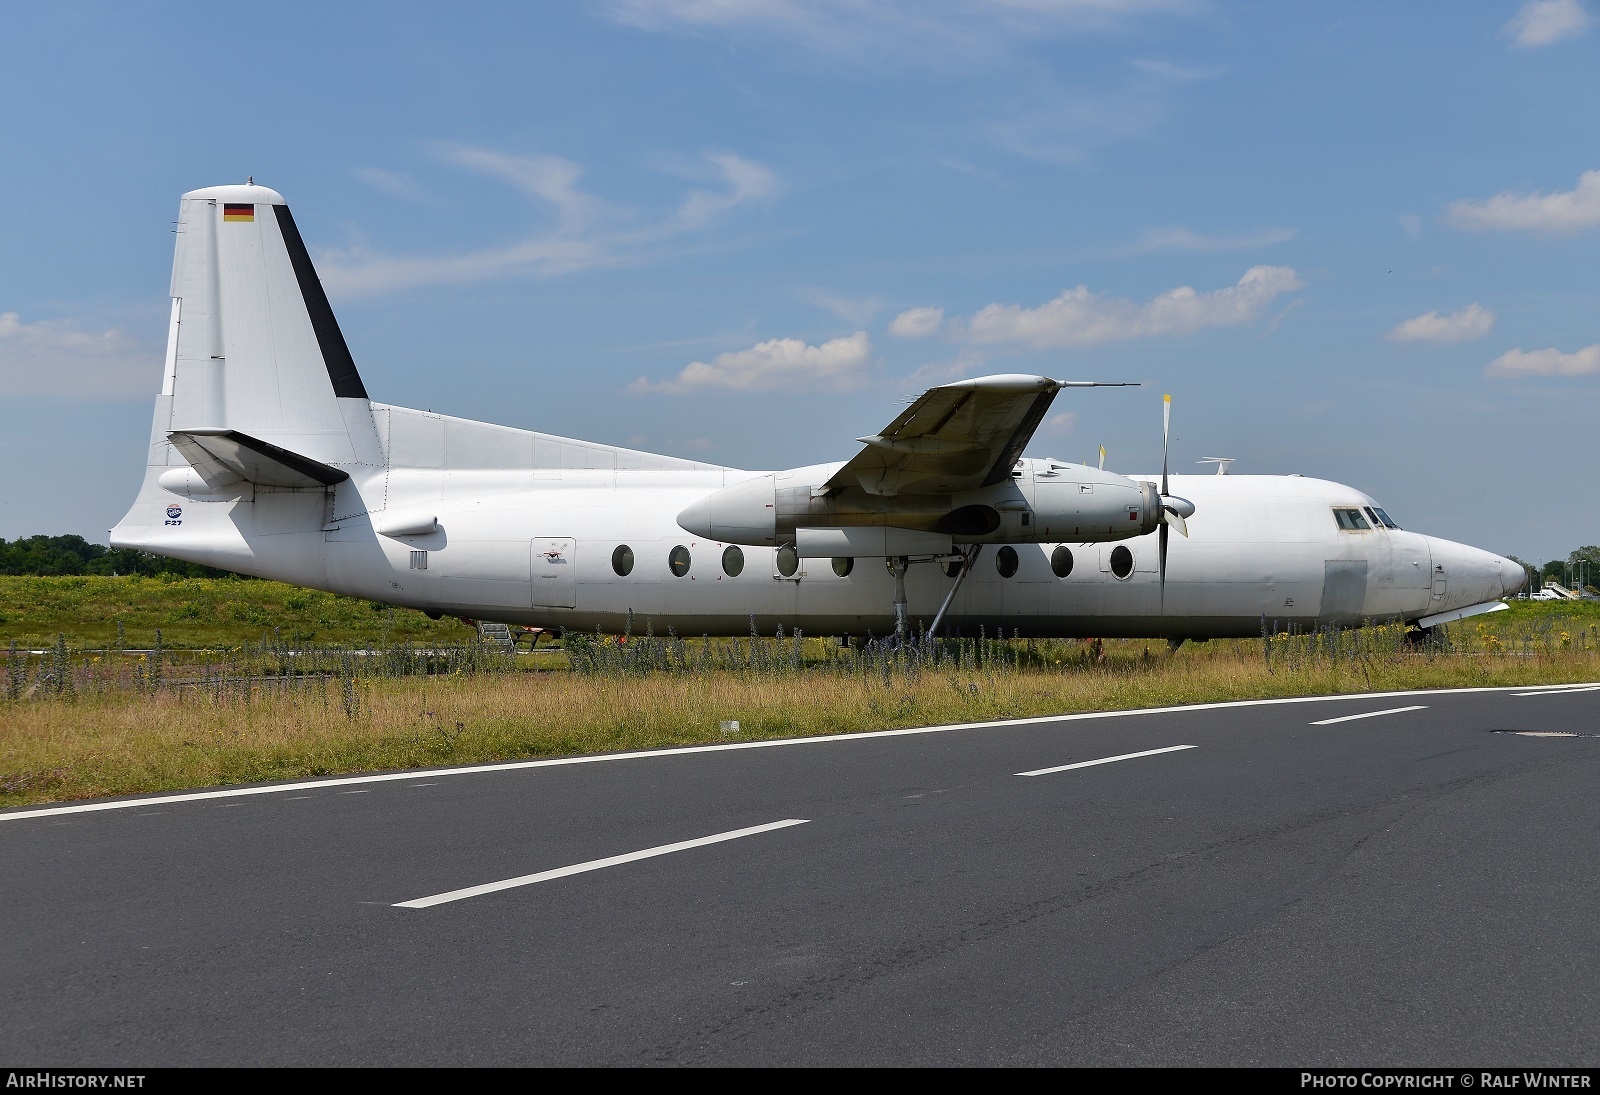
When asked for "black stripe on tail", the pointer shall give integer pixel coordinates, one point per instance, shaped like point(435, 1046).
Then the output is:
point(335, 353)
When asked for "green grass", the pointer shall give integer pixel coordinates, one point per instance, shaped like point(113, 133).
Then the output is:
point(200, 613)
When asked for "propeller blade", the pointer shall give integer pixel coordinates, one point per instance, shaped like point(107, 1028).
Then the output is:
point(1171, 516)
point(1166, 424)
point(1161, 555)
point(1102, 458)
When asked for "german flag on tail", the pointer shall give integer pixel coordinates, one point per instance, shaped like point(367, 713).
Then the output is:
point(242, 213)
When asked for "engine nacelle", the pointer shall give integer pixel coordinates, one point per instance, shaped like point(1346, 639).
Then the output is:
point(1043, 502)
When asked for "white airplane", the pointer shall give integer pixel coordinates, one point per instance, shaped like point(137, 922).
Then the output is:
point(268, 458)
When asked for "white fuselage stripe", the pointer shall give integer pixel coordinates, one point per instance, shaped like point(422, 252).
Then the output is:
point(1370, 714)
point(1104, 760)
point(692, 750)
point(593, 865)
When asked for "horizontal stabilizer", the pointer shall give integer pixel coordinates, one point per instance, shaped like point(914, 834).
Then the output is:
point(228, 456)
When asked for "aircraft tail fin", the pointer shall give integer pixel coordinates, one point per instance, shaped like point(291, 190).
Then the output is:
point(254, 346)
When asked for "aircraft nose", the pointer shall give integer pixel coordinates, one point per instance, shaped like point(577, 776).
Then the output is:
point(1513, 576)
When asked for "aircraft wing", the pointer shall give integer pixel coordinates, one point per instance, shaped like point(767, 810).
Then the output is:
point(955, 437)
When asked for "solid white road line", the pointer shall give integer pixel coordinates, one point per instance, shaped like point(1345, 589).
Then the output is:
point(1561, 691)
point(692, 750)
point(594, 865)
point(1104, 760)
point(1370, 715)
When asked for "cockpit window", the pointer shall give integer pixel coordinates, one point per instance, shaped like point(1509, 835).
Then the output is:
point(1350, 520)
point(1384, 517)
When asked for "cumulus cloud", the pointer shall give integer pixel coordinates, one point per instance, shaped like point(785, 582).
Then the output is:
point(1473, 321)
point(1552, 362)
point(52, 358)
point(780, 363)
point(585, 230)
point(1079, 317)
point(1563, 212)
point(1542, 22)
point(917, 322)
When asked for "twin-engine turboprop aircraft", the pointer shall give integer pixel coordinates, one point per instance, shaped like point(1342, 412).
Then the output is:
point(267, 457)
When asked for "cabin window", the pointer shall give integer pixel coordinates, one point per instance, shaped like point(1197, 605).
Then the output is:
point(1005, 561)
point(1387, 521)
point(788, 561)
point(1061, 561)
point(732, 561)
point(1350, 520)
point(419, 560)
point(1121, 562)
point(678, 560)
point(952, 568)
point(622, 560)
point(843, 567)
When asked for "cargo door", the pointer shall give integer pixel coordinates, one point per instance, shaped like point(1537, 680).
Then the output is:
point(555, 569)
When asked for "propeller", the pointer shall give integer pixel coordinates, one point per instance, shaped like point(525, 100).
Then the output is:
point(1102, 458)
point(1173, 508)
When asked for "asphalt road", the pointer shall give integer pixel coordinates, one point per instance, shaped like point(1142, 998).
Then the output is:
point(1416, 887)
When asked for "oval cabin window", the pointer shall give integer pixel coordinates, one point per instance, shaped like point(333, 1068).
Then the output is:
point(788, 561)
point(732, 561)
point(843, 567)
point(1121, 562)
point(1061, 561)
point(1005, 561)
point(678, 560)
point(622, 560)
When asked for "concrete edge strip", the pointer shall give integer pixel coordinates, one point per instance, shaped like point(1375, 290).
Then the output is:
point(690, 750)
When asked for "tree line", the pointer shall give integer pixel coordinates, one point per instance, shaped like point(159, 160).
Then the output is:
point(42, 556)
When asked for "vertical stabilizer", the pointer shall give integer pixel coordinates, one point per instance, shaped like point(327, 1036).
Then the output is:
point(255, 346)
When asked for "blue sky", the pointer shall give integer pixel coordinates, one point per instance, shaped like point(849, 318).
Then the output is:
point(1354, 241)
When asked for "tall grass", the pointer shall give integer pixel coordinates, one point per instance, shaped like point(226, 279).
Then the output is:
point(78, 723)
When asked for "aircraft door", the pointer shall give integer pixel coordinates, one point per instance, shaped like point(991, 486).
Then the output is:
point(1441, 580)
point(555, 565)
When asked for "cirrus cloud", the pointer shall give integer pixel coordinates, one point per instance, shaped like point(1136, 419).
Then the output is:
point(53, 358)
point(780, 363)
point(1563, 212)
point(1473, 321)
point(1079, 317)
point(1551, 362)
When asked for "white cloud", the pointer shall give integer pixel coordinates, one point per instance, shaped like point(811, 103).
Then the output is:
point(1550, 362)
point(894, 32)
point(856, 311)
point(396, 184)
point(1177, 238)
point(917, 322)
point(1080, 318)
point(1542, 22)
point(586, 231)
point(1063, 422)
point(780, 363)
point(51, 358)
point(1562, 212)
point(1473, 321)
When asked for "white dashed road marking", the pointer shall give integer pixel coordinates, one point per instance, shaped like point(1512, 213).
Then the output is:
point(1370, 714)
point(1104, 760)
point(594, 865)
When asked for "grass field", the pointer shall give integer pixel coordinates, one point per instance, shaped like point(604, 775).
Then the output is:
point(199, 613)
point(228, 701)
